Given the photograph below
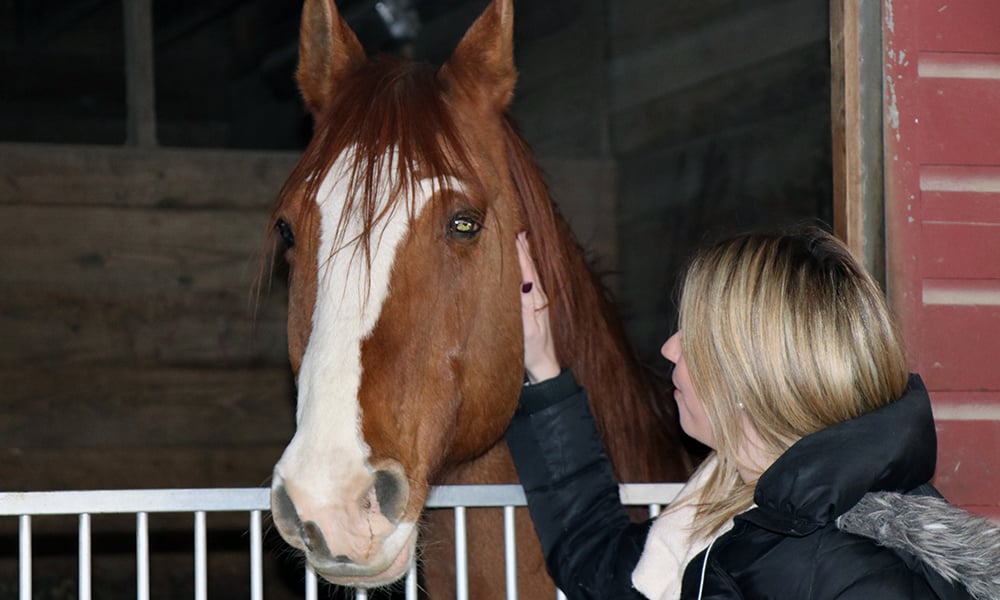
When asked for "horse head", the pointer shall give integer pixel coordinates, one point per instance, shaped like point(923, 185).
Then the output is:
point(404, 327)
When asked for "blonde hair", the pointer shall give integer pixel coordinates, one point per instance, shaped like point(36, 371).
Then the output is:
point(788, 329)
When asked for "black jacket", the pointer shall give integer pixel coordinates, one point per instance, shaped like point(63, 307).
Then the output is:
point(789, 546)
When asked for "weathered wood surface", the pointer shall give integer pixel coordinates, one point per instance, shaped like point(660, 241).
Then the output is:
point(719, 121)
point(131, 352)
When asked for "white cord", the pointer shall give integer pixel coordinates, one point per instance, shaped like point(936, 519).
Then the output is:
point(704, 567)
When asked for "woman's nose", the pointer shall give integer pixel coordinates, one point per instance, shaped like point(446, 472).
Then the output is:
point(671, 349)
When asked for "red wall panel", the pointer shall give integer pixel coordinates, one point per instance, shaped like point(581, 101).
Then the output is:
point(942, 173)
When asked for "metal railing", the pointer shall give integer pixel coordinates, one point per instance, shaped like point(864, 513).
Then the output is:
point(254, 501)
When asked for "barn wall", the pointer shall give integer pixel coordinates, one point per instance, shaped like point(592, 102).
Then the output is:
point(719, 119)
point(130, 354)
point(561, 107)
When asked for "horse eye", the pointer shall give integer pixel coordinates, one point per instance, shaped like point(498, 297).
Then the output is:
point(285, 231)
point(464, 228)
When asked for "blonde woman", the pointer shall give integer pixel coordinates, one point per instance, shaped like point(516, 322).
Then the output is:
point(788, 365)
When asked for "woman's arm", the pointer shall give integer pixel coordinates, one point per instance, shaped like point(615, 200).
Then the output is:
point(590, 546)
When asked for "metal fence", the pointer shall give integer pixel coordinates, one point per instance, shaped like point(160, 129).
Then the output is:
point(254, 501)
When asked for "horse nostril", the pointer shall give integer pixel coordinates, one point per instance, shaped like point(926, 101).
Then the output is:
point(283, 508)
point(312, 537)
point(391, 491)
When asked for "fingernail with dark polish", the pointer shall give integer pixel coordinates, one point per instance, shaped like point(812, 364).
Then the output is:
point(525, 287)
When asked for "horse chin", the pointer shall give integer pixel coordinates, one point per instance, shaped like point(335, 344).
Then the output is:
point(388, 565)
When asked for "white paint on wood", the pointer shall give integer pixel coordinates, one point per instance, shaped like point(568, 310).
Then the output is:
point(964, 292)
point(967, 412)
point(960, 178)
point(958, 65)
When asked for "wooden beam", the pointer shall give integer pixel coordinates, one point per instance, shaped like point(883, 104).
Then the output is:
point(139, 81)
point(856, 116)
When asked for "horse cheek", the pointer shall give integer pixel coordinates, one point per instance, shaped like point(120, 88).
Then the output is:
point(492, 371)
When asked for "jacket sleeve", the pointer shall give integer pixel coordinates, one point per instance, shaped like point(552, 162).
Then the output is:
point(590, 546)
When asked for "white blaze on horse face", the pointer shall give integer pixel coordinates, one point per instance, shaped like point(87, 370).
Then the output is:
point(326, 468)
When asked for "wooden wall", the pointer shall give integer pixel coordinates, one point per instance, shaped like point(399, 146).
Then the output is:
point(719, 121)
point(130, 354)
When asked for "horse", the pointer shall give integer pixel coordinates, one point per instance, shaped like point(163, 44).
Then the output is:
point(398, 226)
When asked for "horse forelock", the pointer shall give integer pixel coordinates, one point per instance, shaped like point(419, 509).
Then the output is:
point(392, 121)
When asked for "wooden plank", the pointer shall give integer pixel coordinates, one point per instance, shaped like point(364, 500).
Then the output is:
point(970, 25)
point(636, 24)
point(67, 333)
point(960, 336)
point(960, 193)
point(116, 252)
point(961, 251)
point(959, 121)
point(736, 100)
point(103, 284)
point(855, 107)
point(42, 469)
point(561, 97)
point(673, 196)
point(967, 473)
point(120, 406)
point(34, 174)
point(727, 46)
point(585, 191)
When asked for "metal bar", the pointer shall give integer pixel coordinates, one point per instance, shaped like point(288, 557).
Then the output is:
point(311, 583)
point(450, 496)
point(510, 551)
point(411, 582)
point(654, 511)
point(134, 501)
point(248, 499)
point(560, 595)
point(461, 556)
point(360, 594)
point(24, 557)
point(200, 557)
point(142, 555)
point(84, 554)
point(256, 558)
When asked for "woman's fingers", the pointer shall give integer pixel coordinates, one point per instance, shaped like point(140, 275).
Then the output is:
point(528, 272)
point(539, 350)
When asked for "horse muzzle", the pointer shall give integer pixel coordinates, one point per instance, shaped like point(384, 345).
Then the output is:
point(351, 537)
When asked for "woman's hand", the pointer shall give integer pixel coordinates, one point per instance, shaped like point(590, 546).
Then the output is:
point(540, 361)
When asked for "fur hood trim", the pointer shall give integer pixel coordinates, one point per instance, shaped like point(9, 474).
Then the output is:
point(959, 546)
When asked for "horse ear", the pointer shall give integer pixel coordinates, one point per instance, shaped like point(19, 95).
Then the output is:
point(328, 50)
point(482, 66)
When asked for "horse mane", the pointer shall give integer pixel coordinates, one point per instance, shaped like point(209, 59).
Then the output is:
point(633, 412)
